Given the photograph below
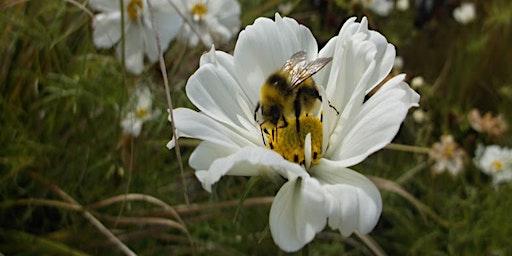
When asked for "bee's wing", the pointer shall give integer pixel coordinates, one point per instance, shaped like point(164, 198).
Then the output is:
point(303, 70)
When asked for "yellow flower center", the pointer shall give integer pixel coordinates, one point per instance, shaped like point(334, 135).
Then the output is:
point(497, 165)
point(290, 143)
point(449, 150)
point(198, 11)
point(141, 113)
point(134, 9)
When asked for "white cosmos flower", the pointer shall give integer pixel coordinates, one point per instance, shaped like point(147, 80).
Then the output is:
point(495, 161)
point(209, 21)
point(139, 111)
point(138, 29)
point(226, 89)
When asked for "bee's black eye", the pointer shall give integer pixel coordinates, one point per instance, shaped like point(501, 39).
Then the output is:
point(277, 80)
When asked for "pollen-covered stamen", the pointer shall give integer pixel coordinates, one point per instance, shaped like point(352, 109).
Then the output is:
point(290, 144)
point(134, 9)
point(198, 11)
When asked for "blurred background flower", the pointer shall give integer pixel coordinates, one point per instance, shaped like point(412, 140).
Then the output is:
point(447, 156)
point(139, 33)
point(209, 22)
point(138, 111)
point(495, 161)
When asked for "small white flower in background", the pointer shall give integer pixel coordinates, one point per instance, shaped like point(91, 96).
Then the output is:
point(417, 82)
point(209, 21)
point(285, 8)
point(380, 7)
point(398, 64)
point(495, 161)
point(419, 116)
point(447, 155)
point(139, 110)
point(138, 30)
point(494, 126)
point(465, 13)
point(320, 189)
point(402, 5)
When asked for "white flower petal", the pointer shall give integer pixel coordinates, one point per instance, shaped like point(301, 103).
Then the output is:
point(134, 49)
point(197, 125)
point(297, 213)
point(207, 152)
point(168, 23)
point(228, 14)
point(375, 125)
point(361, 59)
point(131, 124)
point(105, 5)
point(263, 48)
point(353, 202)
point(249, 161)
point(150, 46)
point(214, 90)
point(107, 29)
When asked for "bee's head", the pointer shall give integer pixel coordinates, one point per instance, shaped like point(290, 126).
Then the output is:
point(272, 113)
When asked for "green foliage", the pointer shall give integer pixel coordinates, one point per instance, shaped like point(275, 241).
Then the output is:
point(62, 99)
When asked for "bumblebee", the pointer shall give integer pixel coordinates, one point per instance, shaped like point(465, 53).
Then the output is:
point(289, 92)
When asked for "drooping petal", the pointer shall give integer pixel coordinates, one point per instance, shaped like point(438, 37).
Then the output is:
point(249, 161)
point(263, 48)
point(353, 202)
point(297, 213)
point(107, 29)
point(207, 152)
point(375, 125)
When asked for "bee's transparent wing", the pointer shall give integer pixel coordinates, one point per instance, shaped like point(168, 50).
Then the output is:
point(300, 69)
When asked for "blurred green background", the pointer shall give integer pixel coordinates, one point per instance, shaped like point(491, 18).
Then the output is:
point(63, 154)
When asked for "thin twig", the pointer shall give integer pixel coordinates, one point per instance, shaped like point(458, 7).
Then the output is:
point(188, 209)
point(95, 222)
point(142, 221)
point(395, 187)
point(169, 102)
point(81, 7)
point(444, 73)
point(41, 201)
point(372, 244)
point(410, 173)
point(408, 148)
point(136, 197)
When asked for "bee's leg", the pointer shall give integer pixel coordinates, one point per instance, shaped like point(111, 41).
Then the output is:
point(256, 111)
point(337, 112)
point(284, 123)
point(297, 108)
point(330, 105)
point(262, 135)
